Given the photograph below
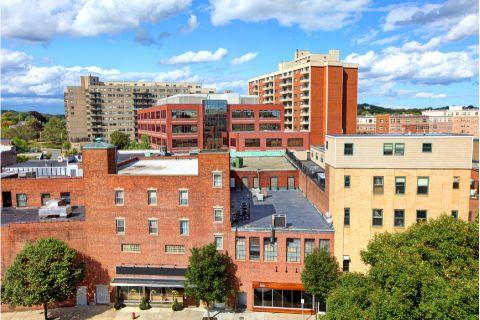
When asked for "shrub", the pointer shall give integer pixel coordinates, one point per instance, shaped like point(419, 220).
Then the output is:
point(177, 306)
point(144, 304)
point(118, 305)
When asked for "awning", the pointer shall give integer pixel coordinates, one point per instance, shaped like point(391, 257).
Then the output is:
point(139, 282)
point(151, 271)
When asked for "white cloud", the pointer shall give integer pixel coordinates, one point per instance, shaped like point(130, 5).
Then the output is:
point(192, 24)
point(237, 85)
point(367, 37)
point(43, 20)
point(310, 15)
point(197, 56)
point(414, 46)
point(466, 27)
point(244, 58)
point(13, 61)
point(430, 95)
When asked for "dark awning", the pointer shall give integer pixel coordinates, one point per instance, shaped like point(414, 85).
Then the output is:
point(150, 271)
point(135, 282)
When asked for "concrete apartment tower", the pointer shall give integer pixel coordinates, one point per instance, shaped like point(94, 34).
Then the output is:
point(95, 108)
point(318, 91)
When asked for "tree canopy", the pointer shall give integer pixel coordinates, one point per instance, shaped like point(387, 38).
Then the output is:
point(430, 271)
point(120, 139)
point(55, 130)
point(44, 272)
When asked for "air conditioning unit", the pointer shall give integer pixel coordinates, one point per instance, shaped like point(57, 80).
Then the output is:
point(279, 220)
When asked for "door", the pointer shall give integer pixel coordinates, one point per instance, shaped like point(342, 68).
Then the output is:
point(232, 182)
point(82, 296)
point(291, 183)
point(241, 300)
point(102, 294)
point(245, 182)
point(273, 183)
point(6, 199)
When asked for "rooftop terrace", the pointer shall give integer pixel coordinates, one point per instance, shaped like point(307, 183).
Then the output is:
point(20, 215)
point(163, 167)
point(265, 164)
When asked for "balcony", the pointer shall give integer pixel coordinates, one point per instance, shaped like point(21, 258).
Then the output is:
point(304, 79)
point(305, 88)
point(285, 98)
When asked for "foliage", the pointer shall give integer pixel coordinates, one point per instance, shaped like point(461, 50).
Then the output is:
point(22, 159)
point(177, 306)
point(47, 156)
point(44, 272)
point(117, 305)
point(370, 109)
point(144, 142)
point(120, 139)
point(67, 145)
point(207, 276)
point(55, 131)
point(428, 272)
point(144, 304)
point(20, 144)
point(320, 274)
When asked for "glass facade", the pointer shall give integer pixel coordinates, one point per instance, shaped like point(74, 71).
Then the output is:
point(215, 123)
point(288, 299)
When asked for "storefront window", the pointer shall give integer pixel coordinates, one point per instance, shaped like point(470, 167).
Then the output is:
point(287, 299)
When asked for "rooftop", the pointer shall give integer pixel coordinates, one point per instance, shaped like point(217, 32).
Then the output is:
point(20, 215)
point(399, 135)
point(167, 167)
point(301, 215)
point(38, 164)
point(265, 164)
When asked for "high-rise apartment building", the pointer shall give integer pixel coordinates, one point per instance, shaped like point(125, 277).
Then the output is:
point(455, 119)
point(318, 91)
point(97, 108)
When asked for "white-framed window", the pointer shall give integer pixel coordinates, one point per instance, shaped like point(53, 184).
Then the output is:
point(184, 226)
point(172, 248)
point(219, 242)
point(119, 197)
point(217, 179)
point(152, 197)
point(218, 214)
point(130, 248)
point(120, 225)
point(183, 197)
point(153, 226)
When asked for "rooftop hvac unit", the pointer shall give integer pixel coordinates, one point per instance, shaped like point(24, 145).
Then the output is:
point(279, 220)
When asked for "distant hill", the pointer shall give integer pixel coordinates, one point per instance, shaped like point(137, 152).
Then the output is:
point(371, 109)
point(34, 113)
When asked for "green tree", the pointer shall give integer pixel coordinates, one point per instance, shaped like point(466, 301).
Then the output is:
point(320, 274)
point(145, 142)
point(120, 139)
point(54, 131)
point(207, 276)
point(20, 144)
point(430, 271)
point(44, 272)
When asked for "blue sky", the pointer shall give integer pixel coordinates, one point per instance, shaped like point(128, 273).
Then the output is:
point(416, 54)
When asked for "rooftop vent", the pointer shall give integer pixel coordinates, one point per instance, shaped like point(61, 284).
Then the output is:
point(279, 220)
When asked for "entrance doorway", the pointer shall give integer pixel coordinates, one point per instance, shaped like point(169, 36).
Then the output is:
point(241, 300)
point(102, 294)
point(291, 183)
point(6, 199)
point(82, 296)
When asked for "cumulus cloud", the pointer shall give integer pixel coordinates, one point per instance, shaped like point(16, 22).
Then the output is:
point(146, 38)
point(236, 85)
point(466, 27)
point(310, 15)
point(197, 57)
point(367, 37)
point(430, 95)
point(192, 24)
point(41, 21)
point(244, 58)
point(14, 61)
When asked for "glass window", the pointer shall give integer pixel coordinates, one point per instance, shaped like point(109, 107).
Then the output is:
point(174, 249)
point(239, 114)
point(44, 198)
point(325, 244)
point(399, 218)
point(184, 129)
point(295, 142)
point(217, 215)
point(243, 127)
point(426, 147)
point(399, 149)
point(422, 185)
point(219, 242)
point(119, 197)
point(252, 143)
point(184, 143)
point(456, 183)
point(152, 197)
point(120, 226)
point(388, 149)
point(377, 217)
point(346, 181)
point(377, 185)
point(269, 114)
point(240, 248)
point(152, 226)
point(65, 196)
point(254, 251)
point(183, 197)
point(348, 149)
point(400, 185)
point(455, 214)
point(346, 216)
point(130, 248)
point(217, 180)
point(184, 227)
point(257, 297)
point(277, 298)
point(346, 265)
point(274, 142)
point(270, 249)
point(269, 127)
point(293, 250)
point(421, 215)
point(309, 246)
point(184, 114)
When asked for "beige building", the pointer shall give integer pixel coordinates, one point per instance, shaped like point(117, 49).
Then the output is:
point(385, 183)
point(96, 108)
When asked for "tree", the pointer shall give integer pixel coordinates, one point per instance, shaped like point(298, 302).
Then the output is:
point(119, 139)
point(54, 131)
point(145, 142)
point(20, 144)
point(37, 115)
point(430, 271)
point(320, 274)
point(207, 276)
point(44, 272)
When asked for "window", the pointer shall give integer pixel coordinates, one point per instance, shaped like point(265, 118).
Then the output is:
point(183, 197)
point(422, 185)
point(217, 180)
point(400, 185)
point(184, 227)
point(348, 149)
point(269, 114)
point(426, 147)
point(184, 114)
point(255, 183)
point(346, 264)
point(325, 244)
point(346, 216)
point(130, 248)
point(269, 127)
point(120, 226)
point(456, 183)
point(21, 199)
point(295, 142)
point(309, 246)
point(421, 215)
point(174, 249)
point(293, 250)
point(239, 114)
point(219, 242)
point(346, 181)
point(399, 149)
point(44, 198)
point(274, 142)
point(252, 143)
point(388, 149)
point(455, 214)
point(184, 143)
point(254, 251)
point(65, 196)
point(152, 197)
point(270, 249)
point(240, 248)
point(377, 217)
point(152, 226)
point(243, 127)
point(377, 185)
point(399, 218)
point(119, 197)
point(217, 215)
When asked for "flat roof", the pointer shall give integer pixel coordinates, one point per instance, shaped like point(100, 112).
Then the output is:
point(265, 164)
point(400, 135)
point(39, 164)
point(301, 215)
point(25, 215)
point(163, 167)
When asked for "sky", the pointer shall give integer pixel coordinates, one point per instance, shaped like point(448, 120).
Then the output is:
point(410, 54)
